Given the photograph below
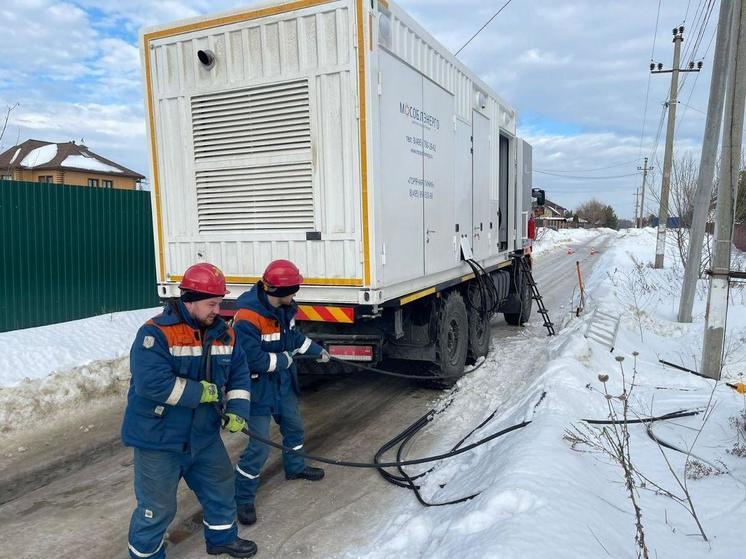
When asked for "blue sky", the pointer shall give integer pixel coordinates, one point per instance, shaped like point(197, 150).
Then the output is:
point(576, 71)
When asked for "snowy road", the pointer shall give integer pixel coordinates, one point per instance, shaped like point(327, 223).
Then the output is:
point(70, 493)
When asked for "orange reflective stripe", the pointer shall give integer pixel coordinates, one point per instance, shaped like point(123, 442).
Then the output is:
point(339, 314)
point(178, 334)
point(323, 313)
point(262, 323)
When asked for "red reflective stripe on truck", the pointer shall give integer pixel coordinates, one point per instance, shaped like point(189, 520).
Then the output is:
point(324, 313)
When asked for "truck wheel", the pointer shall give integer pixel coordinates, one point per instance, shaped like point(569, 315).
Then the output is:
point(479, 327)
point(452, 340)
point(520, 318)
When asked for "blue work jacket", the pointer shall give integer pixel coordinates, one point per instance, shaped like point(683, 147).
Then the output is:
point(265, 333)
point(168, 360)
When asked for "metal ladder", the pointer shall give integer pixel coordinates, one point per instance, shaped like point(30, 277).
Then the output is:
point(603, 328)
point(536, 296)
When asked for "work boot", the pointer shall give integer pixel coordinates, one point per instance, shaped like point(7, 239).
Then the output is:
point(239, 548)
point(309, 473)
point(247, 514)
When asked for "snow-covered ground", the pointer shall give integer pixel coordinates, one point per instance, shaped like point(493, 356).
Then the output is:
point(545, 493)
point(46, 368)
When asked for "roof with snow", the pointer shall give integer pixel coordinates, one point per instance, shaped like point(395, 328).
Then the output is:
point(68, 156)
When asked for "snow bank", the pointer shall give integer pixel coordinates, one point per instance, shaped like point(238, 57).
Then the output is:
point(47, 369)
point(547, 495)
point(30, 401)
point(40, 156)
point(35, 353)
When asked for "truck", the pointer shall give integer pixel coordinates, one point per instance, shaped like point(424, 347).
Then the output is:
point(341, 135)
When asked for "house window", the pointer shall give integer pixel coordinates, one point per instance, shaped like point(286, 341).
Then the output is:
point(93, 182)
point(45, 178)
point(107, 184)
point(7, 177)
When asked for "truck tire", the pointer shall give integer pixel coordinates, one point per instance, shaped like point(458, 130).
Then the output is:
point(520, 318)
point(479, 327)
point(452, 340)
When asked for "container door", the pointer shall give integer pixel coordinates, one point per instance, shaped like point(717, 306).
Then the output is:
point(438, 186)
point(401, 171)
point(463, 180)
point(480, 226)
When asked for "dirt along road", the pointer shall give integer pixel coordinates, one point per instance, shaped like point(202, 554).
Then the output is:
point(68, 493)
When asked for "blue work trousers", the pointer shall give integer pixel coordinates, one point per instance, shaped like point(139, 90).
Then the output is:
point(157, 474)
point(255, 455)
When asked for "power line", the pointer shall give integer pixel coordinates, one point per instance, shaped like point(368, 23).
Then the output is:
point(694, 85)
point(692, 53)
point(647, 90)
point(654, 151)
point(587, 170)
point(585, 178)
point(696, 22)
point(485, 25)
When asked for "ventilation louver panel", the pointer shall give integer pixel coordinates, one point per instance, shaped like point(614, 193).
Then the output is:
point(268, 197)
point(256, 120)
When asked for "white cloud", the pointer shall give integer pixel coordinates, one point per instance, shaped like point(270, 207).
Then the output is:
point(65, 121)
point(54, 38)
point(538, 57)
point(580, 67)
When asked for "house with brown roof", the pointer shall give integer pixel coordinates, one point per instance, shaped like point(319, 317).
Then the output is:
point(65, 163)
point(554, 216)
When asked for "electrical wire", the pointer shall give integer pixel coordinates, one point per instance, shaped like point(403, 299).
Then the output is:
point(481, 28)
point(402, 375)
point(588, 170)
point(372, 465)
point(691, 54)
point(587, 178)
point(694, 85)
point(650, 75)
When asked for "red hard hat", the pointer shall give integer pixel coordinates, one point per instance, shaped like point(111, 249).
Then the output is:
point(282, 273)
point(204, 278)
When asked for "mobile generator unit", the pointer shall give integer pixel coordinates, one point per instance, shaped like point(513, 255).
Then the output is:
point(342, 136)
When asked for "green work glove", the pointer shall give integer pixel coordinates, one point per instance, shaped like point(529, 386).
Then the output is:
point(233, 422)
point(209, 392)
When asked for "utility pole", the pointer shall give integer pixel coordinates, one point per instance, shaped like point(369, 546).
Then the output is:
point(735, 101)
point(723, 57)
point(637, 206)
point(644, 170)
point(678, 38)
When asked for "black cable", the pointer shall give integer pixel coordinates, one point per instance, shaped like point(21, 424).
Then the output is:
point(402, 375)
point(402, 439)
point(425, 460)
point(671, 415)
point(481, 28)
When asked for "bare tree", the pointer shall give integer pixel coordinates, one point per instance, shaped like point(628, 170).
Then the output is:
point(683, 188)
point(592, 211)
point(598, 214)
point(8, 110)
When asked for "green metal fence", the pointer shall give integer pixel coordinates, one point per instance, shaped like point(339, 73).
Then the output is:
point(68, 252)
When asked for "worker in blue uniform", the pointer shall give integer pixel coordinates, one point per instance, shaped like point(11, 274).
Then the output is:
point(185, 364)
point(265, 329)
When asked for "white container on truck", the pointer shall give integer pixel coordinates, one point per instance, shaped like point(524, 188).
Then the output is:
point(342, 136)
